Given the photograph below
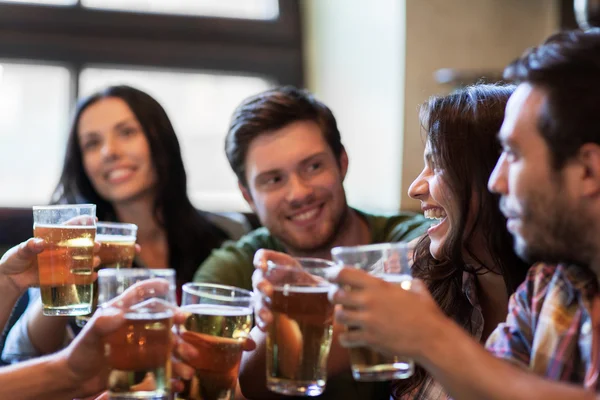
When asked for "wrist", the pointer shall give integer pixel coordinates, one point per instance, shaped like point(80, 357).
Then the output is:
point(10, 290)
point(436, 339)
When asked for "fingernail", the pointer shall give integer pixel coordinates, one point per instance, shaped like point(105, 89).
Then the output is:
point(332, 273)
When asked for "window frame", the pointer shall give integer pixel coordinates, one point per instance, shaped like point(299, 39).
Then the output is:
point(77, 35)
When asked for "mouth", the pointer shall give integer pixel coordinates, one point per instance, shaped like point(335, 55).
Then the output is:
point(118, 175)
point(306, 216)
point(437, 214)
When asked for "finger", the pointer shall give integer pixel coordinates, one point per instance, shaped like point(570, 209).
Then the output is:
point(140, 291)
point(179, 317)
point(248, 345)
point(138, 249)
point(265, 288)
point(264, 318)
point(262, 256)
point(31, 248)
point(350, 318)
point(96, 262)
point(184, 350)
point(355, 278)
point(353, 299)
point(182, 370)
point(177, 386)
point(102, 323)
point(257, 276)
point(353, 338)
point(418, 286)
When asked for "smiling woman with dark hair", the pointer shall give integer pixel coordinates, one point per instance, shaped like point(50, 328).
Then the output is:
point(123, 155)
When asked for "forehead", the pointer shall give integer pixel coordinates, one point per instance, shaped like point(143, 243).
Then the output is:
point(284, 148)
point(104, 114)
point(523, 109)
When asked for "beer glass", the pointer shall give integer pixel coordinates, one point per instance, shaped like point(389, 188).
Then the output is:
point(219, 319)
point(299, 338)
point(388, 261)
point(117, 250)
point(66, 266)
point(139, 352)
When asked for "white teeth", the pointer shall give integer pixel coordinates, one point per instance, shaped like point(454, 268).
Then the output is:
point(435, 213)
point(306, 215)
point(118, 173)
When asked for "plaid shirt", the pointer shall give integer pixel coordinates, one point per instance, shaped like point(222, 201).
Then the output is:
point(431, 389)
point(553, 325)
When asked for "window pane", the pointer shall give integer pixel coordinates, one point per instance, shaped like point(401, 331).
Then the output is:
point(48, 2)
point(34, 112)
point(199, 106)
point(248, 9)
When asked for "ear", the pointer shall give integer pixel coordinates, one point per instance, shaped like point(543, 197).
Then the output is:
point(247, 195)
point(343, 163)
point(588, 157)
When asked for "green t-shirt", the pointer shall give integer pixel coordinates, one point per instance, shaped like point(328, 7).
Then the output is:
point(232, 265)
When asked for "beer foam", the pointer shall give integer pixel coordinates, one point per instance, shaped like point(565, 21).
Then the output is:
point(302, 289)
point(59, 226)
point(217, 310)
point(102, 237)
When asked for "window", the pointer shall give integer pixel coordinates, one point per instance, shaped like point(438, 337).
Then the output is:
point(198, 58)
point(34, 104)
point(248, 9)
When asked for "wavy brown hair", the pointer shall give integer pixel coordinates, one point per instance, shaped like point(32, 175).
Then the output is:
point(461, 130)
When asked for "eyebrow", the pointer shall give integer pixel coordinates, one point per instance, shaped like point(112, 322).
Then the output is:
point(303, 161)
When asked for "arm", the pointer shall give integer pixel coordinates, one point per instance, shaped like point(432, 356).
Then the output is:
point(392, 320)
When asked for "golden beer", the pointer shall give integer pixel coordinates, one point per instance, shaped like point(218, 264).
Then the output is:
point(65, 268)
point(139, 356)
point(218, 332)
point(299, 339)
point(368, 365)
point(115, 252)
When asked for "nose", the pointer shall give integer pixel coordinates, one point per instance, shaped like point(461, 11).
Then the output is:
point(298, 189)
point(498, 182)
point(109, 147)
point(419, 187)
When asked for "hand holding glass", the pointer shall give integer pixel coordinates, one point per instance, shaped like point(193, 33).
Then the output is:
point(139, 353)
point(388, 261)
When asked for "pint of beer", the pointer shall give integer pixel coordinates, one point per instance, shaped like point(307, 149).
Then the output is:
point(139, 352)
point(66, 266)
point(390, 262)
point(117, 250)
point(219, 319)
point(299, 338)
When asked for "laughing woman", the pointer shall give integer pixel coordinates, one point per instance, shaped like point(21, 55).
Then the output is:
point(466, 259)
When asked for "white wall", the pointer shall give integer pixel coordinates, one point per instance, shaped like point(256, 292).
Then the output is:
point(373, 63)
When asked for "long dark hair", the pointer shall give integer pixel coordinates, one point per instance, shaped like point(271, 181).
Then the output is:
point(461, 130)
point(190, 236)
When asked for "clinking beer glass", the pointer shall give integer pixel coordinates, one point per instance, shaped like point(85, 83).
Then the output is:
point(117, 250)
point(219, 319)
point(388, 261)
point(66, 266)
point(139, 353)
point(299, 338)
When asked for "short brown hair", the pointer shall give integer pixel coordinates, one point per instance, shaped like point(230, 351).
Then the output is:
point(271, 110)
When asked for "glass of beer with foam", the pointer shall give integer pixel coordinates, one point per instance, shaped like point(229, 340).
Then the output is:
point(219, 319)
point(390, 262)
point(299, 338)
point(117, 250)
point(66, 266)
point(139, 352)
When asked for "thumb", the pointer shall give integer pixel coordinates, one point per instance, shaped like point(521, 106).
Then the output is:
point(104, 322)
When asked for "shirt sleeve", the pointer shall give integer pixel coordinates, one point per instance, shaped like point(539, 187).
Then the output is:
point(229, 265)
point(512, 340)
point(18, 346)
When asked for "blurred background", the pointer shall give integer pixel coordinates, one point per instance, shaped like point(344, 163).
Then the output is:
point(372, 62)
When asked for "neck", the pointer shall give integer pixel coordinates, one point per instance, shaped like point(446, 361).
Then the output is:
point(353, 231)
point(493, 299)
point(140, 212)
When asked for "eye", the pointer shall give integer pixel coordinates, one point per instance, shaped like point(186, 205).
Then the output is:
point(510, 154)
point(314, 166)
point(128, 131)
point(272, 180)
point(90, 144)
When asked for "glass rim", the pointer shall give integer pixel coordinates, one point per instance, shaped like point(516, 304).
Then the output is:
point(129, 272)
point(62, 206)
point(327, 263)
point(367, 248)
point(195, 289)
point(118, 225)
